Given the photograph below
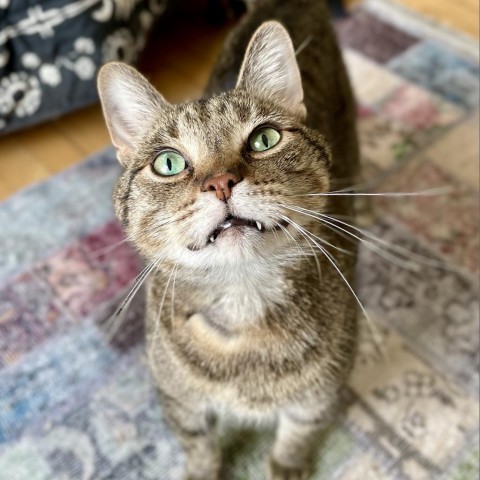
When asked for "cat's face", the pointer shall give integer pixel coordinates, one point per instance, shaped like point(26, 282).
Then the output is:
point(222, 181)
point(206, 183)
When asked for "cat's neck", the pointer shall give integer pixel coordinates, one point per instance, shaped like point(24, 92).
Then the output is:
point(240, 296)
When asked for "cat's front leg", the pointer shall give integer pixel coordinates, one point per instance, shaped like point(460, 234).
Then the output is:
point(195, 430)
point(295, 443)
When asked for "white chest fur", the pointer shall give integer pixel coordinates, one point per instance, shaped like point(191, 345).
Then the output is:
point(241, 296)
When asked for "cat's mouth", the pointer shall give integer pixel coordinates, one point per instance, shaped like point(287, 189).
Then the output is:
point(232, 222)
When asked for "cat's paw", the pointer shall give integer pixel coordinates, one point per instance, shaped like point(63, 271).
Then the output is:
point(276, 471)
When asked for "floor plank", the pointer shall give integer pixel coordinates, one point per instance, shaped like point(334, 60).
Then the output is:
point(459, 14)
point(85, 129)
point(51, 148)
point(18, 166)
point(5, 191)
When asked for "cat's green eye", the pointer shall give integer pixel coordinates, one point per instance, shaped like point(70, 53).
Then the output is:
point(169, 163)
point(264, 139)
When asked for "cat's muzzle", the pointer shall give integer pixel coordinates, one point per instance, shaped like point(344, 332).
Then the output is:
point(236, 222)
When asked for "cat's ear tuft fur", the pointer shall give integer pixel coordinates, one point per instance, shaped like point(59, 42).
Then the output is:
point(271, 70)
point(130, 105)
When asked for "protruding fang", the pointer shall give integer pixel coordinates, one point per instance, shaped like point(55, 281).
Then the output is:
point(259, 226)
point(212, 239)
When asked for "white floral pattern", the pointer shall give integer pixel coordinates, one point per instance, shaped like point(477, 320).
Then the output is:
point(85, 68)
point(84, 45)
point(20, 94)
point(120, 45)
point(124, 8)
point(50, 75)
point(30, 60)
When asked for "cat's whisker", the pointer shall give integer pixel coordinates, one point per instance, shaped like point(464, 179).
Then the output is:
point(368, 185)
point(319, 268)
point(303, 45)
point(303, 253)
point(305, 233)
point(295, 209)
point(371, 325)
point(374, 332)
point(120, 308)
point(385, 254)
point(342, 217)
point(173, 294)
point(115, 321)
point(347, 236)
point(108, 248)
point(403, 257)
point(423, 193)
point(326, 242)
point(159, 316)
point(369, 244)
point(169, 221)
point(294, 225)
point(274, 231)
point(299, 245)
point(430, 262)
point(139, 279)
point(289, 235)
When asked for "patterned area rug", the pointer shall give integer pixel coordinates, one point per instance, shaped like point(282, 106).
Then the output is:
point(75, 406)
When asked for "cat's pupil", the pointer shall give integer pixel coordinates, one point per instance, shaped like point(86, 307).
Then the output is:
point(265, 140)
point(169, 164)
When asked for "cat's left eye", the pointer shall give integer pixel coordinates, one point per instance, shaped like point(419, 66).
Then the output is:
point(264, 139)
point(169, 163)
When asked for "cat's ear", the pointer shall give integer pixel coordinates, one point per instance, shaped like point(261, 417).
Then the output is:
point(130, 105)
point(270, 68)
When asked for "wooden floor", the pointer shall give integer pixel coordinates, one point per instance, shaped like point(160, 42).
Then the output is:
point(180, 71)
point(459, 14)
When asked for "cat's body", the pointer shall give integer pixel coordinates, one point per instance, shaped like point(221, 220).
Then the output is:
point(240, 319)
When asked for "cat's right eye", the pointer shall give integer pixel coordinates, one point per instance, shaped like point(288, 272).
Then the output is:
point(169, 163)
point(264, 139)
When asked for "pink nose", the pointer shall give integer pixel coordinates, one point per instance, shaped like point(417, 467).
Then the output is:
point(221, 184)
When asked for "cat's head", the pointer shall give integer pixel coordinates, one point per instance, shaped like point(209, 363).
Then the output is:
point(206, 182)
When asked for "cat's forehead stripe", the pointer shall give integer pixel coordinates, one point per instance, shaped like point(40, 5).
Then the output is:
point(172, 129)
point(216, 112)
point(209, 124)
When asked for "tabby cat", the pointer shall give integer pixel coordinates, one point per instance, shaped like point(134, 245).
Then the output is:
point(248, 308)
